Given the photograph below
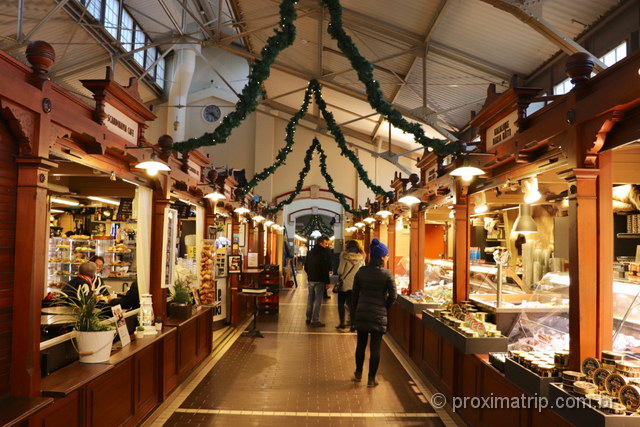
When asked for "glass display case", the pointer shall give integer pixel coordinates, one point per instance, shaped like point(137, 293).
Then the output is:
point(626, 316)
point(66, 254)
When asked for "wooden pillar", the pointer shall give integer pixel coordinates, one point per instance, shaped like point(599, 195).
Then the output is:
point(260, 244)
point(461, 246)
point(391, 243)
point(606, 252)
point(376, 230)
point(269, 241)
point(30, 274)
point(416, 250)
point(156, 269)
point(250, 241)
point(583, 264)
point(234, 279)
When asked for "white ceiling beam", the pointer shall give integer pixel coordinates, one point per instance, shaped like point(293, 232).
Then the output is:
point(172, 18)
point(544, 28)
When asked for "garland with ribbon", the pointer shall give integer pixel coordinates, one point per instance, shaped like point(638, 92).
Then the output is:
point(315, 146)
point(314, 88)
point(248, 98)
point(283, 38)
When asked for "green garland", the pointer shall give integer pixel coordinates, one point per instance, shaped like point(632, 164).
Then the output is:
point(329, 180)
point(248, 98)
point(335, 130)
point(315, 146)
point(315, 88)
point(303, 174)
point(283, 38)
point(284, 151)
point(316, 223)
point(374, 94)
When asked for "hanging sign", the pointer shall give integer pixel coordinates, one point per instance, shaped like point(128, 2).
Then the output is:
point(120, 124)
point(125, 209)
point(502, 130)
point(194, 170)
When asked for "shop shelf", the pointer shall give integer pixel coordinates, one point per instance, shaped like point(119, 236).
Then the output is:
point(527, 380)
point(580, 414)
point(415, 307)
point(465, 344)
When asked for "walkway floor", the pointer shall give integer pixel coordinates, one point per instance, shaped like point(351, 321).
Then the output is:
point(301, 376)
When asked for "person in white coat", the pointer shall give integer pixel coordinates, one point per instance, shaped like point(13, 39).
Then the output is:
point(351, 259)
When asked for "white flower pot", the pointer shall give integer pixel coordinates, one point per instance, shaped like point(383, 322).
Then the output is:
point(139, 335)
point(94, 347)
point(159, 327)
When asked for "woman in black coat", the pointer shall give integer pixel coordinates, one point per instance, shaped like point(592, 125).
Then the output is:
point(374, 292)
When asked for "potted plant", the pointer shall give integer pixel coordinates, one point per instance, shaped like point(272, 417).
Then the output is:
point(158, 324)
point(180, 300)
point(93, 336)
point(139, 332)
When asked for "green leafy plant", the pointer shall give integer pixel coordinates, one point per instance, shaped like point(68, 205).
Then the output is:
point(158, 319)
point(181, 291)
point(140, 328)
point(88, 317)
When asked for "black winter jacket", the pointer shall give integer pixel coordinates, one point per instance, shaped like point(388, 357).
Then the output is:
point(318, 264)
point(374, 292)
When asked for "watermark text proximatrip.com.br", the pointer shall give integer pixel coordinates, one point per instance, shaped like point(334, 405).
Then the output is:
point(524, 401)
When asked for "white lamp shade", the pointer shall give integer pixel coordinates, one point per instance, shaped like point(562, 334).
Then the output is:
point(409, 200)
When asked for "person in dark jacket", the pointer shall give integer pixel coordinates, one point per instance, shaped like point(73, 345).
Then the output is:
point(317, 266)
point(374, 292)
point(87, 273)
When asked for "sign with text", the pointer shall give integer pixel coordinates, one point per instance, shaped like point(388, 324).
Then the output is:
point(121, 325)
point(121, 124)
point(194, 170)
point(502, 130)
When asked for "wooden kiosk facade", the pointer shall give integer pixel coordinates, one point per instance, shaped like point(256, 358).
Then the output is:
point(572, 135)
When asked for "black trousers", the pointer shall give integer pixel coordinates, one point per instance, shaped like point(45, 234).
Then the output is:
point(374, 351)
point(344, 298)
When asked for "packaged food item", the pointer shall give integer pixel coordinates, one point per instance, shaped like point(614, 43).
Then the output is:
point(629, 396)
point(614, 382)
point(589, 365)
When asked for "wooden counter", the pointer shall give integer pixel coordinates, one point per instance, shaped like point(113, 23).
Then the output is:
point(133, 383)
point(16, 410)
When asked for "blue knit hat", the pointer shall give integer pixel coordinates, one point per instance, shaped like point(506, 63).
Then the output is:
point(378, 249)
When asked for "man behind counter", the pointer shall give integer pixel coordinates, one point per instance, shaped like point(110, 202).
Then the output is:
point(86, 276)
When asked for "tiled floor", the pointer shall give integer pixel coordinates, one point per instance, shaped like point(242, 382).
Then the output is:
point(300, 376)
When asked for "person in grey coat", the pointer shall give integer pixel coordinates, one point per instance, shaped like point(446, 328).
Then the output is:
point(374, 292)
point(350, 262)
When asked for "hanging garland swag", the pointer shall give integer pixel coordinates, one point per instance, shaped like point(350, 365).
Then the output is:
point(315, 89)
point(315, 146)
point(282, 39)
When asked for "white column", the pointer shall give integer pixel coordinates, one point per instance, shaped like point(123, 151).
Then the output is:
point(184, 66)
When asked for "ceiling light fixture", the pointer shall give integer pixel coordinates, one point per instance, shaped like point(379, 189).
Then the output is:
point(481, 203)
point(68, 202)
point(530, 190)
point(104, 200)
point(241, 210)
point(524, 223)
point(315, 234)
point(258, 218)
point(56, 211)
point(409, 200)
point(384, 213)
point(153, 165)
point(359, 224)
point(369, 220)
point(467, 172)
point(268, 223)
point(215, 196)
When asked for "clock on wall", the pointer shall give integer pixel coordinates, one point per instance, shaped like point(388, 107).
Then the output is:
point(211, 113)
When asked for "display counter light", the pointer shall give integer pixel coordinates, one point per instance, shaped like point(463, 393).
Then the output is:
point(104, 200)
point(56, 211)
point(524, 223)
point(481, 203)
point(67, 202)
